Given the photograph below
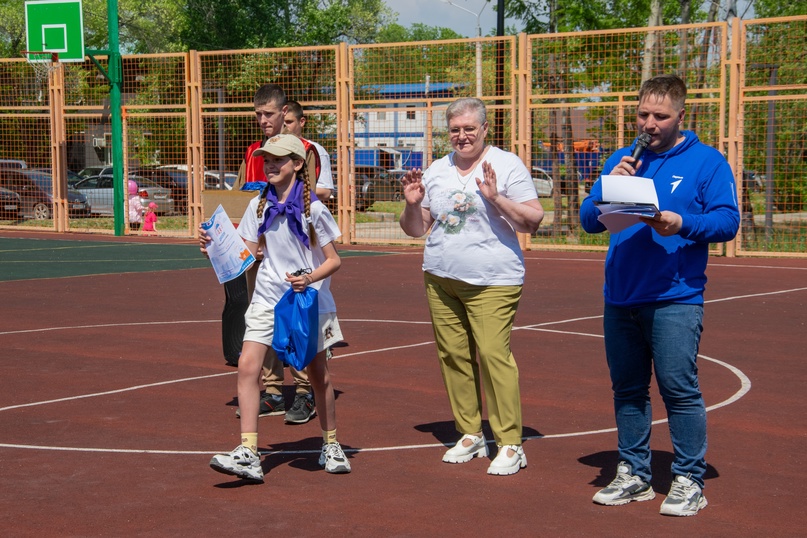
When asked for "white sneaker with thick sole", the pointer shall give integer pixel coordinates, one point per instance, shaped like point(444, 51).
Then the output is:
point(504, 465)
point(626, 487)
point(241, 462)
point(333, 459)
point(460, 453)
point(685, 498)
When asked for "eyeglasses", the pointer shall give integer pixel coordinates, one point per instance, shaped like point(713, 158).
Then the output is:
point(301, 272)
point(469, 132)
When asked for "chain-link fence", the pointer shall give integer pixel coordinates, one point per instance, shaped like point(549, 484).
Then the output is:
point(562, 102)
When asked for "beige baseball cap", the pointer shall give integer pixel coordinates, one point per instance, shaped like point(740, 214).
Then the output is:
point(282, 145)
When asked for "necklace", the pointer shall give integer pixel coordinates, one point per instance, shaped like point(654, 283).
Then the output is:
point(464, 182)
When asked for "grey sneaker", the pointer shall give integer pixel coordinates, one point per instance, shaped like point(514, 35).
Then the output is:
point(241, 462)
point(302, 410)
point(685, 498)
point(271, 405)
point(624, 488)
point(333, 459)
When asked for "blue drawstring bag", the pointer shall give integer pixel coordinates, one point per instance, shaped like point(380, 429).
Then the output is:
point(296, 327)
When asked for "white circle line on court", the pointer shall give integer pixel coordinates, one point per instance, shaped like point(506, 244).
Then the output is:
point(745, 386)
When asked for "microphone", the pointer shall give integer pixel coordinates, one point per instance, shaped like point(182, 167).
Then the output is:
point(641, 144)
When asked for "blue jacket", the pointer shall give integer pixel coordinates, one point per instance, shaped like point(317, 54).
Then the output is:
point(642, 267)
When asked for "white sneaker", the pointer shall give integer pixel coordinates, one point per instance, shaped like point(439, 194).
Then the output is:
point(463, 454)
point(626, 487)
point(333, 459)
point(685, 498)
point(504, 465)
point(241, 462)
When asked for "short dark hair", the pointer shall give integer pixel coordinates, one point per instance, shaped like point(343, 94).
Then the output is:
point(665, 85)
point(270, 93)
point(295, 109)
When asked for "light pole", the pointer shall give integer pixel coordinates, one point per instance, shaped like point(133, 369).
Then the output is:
point(478, 42)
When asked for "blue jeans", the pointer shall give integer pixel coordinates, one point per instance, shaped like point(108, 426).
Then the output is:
point(663, 337)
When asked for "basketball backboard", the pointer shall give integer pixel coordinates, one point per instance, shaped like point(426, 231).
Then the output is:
point(55, 26)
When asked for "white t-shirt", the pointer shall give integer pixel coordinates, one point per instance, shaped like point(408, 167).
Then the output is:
point(285, 253)
point(325, 179)
point(470, 240)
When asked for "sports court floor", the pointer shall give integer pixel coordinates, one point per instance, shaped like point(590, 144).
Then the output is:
point(114, 395)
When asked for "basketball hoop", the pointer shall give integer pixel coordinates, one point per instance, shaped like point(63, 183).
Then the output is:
point(43, 63)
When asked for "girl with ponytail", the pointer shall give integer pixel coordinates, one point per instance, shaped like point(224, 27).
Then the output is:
point(295, 233)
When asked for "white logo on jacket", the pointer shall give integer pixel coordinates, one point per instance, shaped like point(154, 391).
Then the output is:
point(675, 184)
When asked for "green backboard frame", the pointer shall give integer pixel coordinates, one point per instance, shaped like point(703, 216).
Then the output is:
point(55, 26)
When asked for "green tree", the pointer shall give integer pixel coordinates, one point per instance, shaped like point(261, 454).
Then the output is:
point(777, 8)
point(243, 24)
point(12, 28)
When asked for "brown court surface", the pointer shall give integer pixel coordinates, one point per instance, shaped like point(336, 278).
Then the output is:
point(114, 395)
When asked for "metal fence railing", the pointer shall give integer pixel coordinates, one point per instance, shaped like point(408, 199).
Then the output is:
point(562, 102)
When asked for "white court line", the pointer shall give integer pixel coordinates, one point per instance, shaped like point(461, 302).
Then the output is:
point(745, 382)
point(745, 386)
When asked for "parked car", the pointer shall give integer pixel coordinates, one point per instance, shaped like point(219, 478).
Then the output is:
point(169, 179)
point(72, 177)
point(98, 190)
point(179, 176)
point(213, 181)
point(13, 163)
point(372, 184)
point(35, 189)
point(9, 204)
point(543, 182)
point(102, 170)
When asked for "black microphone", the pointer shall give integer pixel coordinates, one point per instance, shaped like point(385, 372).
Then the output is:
point(641, 144)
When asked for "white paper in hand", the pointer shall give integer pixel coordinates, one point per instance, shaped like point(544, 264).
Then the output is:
point(625, 199)
point(629, 189)
point(227, 251)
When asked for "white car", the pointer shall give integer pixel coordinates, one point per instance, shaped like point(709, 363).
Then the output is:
point(543, 182)
point(98, 190)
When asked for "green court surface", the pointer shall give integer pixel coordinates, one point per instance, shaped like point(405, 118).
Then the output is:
point(26, 259)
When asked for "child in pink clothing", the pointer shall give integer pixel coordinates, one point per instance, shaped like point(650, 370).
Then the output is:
point(135, 206)
point(150, 219)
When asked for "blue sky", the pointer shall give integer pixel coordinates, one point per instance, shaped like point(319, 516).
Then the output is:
point(439, 13)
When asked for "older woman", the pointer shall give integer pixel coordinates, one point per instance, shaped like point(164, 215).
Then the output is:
point(473, 201)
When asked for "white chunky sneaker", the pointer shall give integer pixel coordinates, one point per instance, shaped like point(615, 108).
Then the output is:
point(241, 462)
point(685, 498)
point(333, 459)
point(626, 487)
point(463, 454)
point(504, 465)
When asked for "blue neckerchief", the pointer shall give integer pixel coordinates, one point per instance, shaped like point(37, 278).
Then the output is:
point(293, 209)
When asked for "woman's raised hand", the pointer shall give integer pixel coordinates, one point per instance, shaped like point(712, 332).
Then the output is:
point(413, 189)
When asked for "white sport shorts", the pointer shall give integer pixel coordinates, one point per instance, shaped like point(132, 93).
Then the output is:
point(260, 321)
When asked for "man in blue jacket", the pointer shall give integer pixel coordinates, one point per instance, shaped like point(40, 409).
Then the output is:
point(654, 283)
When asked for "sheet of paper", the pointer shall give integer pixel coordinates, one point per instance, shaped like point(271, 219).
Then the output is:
point(626, 199)
point(617, 221)
point(640, 190)
point(228, 252)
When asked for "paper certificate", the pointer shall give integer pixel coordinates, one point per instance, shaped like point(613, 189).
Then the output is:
point(227, 251)
point(625, 199)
